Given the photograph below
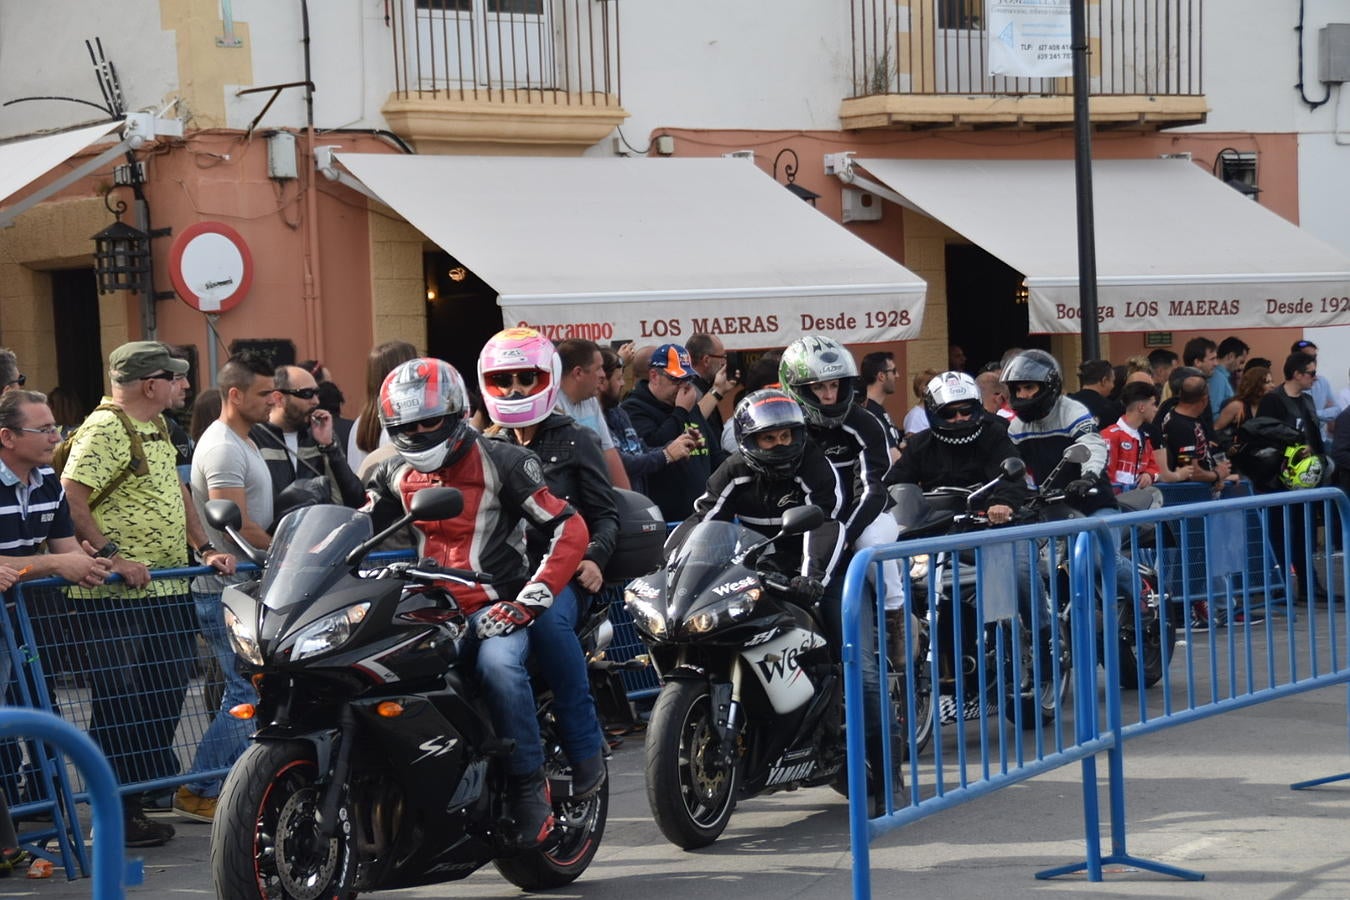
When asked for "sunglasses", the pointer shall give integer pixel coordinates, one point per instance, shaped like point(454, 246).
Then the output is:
point(163, 376)
point(302, 393)
point(20, 381)
point(947, 413)
point(526, 378)
point(421, 425)
point(48, 430)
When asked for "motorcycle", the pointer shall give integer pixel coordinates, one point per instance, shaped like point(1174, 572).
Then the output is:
point(946, 510)
point(750, 701)
point(977, 655)
point(374, 765)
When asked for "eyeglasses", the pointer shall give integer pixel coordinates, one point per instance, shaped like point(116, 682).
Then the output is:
point(1311, 373)
point(967, 410)
point(20, 381)
point(302, 393)
point(526, 378)
point(165, 376)
point(48, 430)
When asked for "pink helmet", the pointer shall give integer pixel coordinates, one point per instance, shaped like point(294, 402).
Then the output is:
point(519, 374)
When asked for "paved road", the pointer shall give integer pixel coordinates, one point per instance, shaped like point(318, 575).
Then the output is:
point(1212, 796)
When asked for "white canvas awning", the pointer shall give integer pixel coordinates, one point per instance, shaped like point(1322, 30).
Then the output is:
point(22, 162)
point(1177, 249)
point(649, 250)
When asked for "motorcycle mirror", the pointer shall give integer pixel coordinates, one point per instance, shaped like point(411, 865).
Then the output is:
point(802, 519)
point(428, 504)
point(436, 503)
point(1014, 469)
point(223, 514)
point(1077, 453)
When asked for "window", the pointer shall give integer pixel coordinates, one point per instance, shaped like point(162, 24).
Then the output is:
point(964, 14)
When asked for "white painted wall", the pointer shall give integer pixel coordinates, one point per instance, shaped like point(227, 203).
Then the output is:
point(42, 52)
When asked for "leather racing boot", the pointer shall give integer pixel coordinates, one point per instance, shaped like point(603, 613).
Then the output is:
point(531, 807)
point(587, 776)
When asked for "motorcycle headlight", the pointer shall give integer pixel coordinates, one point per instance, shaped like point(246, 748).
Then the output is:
point(328, 633)
point(729, 610)
point(647, 618)
point(244, 643)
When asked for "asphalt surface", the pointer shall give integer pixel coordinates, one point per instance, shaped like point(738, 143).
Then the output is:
point(1212, 796)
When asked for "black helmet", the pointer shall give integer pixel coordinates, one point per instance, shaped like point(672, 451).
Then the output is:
point(769, 410)
point(947, 394)
point(812, 360)
point(1033, 367)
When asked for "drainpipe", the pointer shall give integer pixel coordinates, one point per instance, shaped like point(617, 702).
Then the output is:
point(313, 289)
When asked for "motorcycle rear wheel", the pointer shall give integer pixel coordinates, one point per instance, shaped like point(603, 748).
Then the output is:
point(575, 840)
point(263, 840)
point(690, 792)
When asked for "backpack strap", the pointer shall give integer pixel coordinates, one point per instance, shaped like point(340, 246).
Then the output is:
point(139, 464)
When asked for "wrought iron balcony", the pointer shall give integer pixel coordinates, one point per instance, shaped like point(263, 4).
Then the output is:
point(520, 76)
point(925, 64)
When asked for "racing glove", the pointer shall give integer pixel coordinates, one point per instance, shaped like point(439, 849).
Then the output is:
point(1080, 487)
point(509, 616)
point(806, 590)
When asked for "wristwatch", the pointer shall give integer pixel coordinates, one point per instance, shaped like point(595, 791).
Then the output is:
point(204, 549)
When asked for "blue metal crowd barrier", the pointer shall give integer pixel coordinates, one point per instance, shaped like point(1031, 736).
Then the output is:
point(110, 874)
point(1260, 642)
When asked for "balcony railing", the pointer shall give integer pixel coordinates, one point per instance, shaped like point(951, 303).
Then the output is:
point(936, 47)
point(550, 52)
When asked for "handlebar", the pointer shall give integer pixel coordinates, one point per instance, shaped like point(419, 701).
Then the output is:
point(428, 570)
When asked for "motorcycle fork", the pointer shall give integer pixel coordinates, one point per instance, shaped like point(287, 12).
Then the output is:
point(329, 803)
point(727, 715)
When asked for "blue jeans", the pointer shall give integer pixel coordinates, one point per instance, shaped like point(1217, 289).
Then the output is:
point(499, 663)
point(227, 737)
point(557, 653)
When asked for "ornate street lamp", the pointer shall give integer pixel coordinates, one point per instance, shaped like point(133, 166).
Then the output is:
point(121, 255)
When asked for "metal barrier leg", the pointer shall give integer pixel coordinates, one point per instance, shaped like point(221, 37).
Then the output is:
point(1083, 614)
point(111, 872)
point(1330, 779)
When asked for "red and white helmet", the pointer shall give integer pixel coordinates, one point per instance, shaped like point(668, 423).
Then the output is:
point(519, 374)
point(420, 393)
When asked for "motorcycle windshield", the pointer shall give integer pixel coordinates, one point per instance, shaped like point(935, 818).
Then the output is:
point(704, 561)
point(309, 553)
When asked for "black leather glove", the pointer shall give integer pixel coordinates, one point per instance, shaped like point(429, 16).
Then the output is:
point(806, 590)
point(1081, 487)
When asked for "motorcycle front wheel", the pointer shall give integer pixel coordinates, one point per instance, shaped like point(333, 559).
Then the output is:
point(690, 791)
point(265, 841)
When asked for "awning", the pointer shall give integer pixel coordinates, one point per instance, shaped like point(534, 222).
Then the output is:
point(1177, 249)
point(649, 250)
point(22, 162)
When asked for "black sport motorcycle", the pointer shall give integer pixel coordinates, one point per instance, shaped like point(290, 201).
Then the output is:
point(750, 697)
point(375, 764)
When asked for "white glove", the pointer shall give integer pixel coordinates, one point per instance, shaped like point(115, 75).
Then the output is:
point(508, 616)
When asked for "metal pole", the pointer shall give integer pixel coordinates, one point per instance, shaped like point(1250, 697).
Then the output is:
point(1082, 159)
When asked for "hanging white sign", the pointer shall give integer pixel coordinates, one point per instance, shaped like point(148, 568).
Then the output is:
point(1030, 38)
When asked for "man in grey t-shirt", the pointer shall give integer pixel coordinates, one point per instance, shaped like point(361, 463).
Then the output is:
point(227, 465)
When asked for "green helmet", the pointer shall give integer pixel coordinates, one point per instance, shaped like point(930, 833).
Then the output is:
point(1302, 468)
point(811, 360)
